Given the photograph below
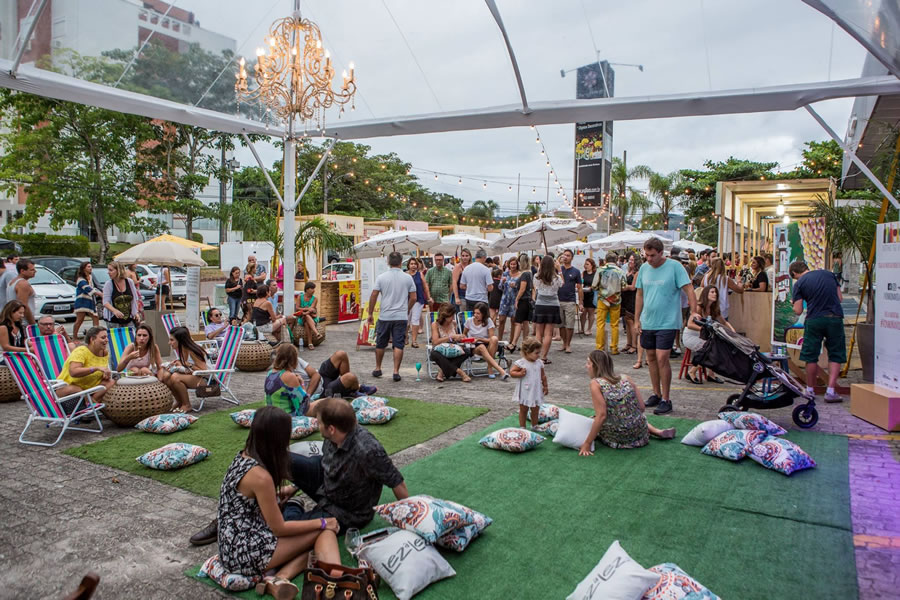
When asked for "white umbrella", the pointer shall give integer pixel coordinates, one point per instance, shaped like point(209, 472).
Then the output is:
point(167, 254)
point(691, 245)
point(453, 244)
point(575, 246)
point(628, 239)
point(542, 233)
point(396, 241)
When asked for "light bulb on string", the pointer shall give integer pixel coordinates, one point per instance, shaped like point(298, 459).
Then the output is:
point(435, 177)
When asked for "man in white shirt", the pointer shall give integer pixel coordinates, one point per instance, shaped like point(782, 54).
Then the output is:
point(398, 295)
point(7, 274)
point(476, 280)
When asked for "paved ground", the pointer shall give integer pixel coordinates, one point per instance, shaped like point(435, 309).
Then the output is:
point(63, 516)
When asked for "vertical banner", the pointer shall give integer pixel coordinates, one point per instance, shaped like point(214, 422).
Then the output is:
point(192, 299)
point(887, 306)
point(803, 239)
point(593, 141)
point(366, 334)
point(348, 300)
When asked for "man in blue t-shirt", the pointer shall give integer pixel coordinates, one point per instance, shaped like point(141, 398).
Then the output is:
point(568, 295)
point(821, 291)
point(657, 316)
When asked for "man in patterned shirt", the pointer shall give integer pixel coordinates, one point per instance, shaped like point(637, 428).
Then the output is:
point(439, 279)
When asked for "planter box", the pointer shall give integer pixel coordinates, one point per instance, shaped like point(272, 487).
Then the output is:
point(876, 404)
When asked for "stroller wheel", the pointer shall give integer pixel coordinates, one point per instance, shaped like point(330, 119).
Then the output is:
point(805, 416)
point(731, 404)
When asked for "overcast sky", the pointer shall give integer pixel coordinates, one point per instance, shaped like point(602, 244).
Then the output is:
point(684, 46)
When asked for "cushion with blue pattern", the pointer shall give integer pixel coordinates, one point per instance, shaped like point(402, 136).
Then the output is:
point(734, 444)
point(742, 420)
point(166, 423)
point(781, 455)
point(511, 439)
point(427, 517)
point(173, 456)
point(303, 426)
point(675, 584)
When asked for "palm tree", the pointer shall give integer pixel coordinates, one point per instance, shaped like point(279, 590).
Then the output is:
point(257, 223)
point(666, 192)
point(625, 199)
point(484, 209)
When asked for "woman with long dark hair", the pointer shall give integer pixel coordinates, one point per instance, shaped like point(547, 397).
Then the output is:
point(86, 296)
point(481, 327)
point(234, 289)
point(12, 334)
point(707, 306)
point(510, 286)
point(447, 352)
point(179, 374)
point(546, 304)
point(589, 304)
point(141, 357)
point(253, 535)
point(632, 264)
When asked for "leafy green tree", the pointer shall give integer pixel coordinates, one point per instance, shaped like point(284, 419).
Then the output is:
point(250, 185)
point(666, 193)
point(820, 160)
point(483, 209)
point(625, 199)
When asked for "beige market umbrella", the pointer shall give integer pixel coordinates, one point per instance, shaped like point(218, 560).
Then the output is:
point(169, 254)
point(168, 237)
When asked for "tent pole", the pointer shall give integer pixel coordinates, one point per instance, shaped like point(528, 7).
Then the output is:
point(263, 167)
point(23, 42)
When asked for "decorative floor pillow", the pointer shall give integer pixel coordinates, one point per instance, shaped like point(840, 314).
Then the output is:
point(616, 577)
point(368, 402)
point(307, 448)
point(460, 538)
point(303, 426)
point(548, 412)
point(406, 563)
point(244, 418)
point(733, 444)
point(550, 427)
point(167, 423)
point(704, 432)
point(573, 430)
point(375, 416)
point(511, 439)
point(233, 582)
point(427, 517)
point(781, 455)
point(675, 584)
point(173, 456)
point(742, 420)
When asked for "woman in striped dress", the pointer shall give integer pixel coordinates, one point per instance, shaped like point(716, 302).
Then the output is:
point(86, 297)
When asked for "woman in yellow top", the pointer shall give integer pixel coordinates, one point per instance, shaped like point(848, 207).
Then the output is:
point(88, 366)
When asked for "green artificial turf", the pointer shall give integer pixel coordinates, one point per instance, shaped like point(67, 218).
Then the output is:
point(414, 423)
point(740, 529)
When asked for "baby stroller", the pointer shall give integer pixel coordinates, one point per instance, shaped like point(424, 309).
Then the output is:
point(766, 385)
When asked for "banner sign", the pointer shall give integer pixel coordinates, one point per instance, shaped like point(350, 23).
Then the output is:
point(348, 300)
point(803, 239)
point(592, 172)
point(366, 335)
point(192, 299)
point(887, 306)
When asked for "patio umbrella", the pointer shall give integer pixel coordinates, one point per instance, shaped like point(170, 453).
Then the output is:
point(628, 239)
point(396, 241)
point(453, 244)
point(168, 237)
point(575, 246)
point(169, 254)
point(691, 245)
point(542, 233)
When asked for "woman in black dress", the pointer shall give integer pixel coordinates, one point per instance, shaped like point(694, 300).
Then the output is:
point(588, 315)
point(759, 281)
point(120, 298)
point(628, 294)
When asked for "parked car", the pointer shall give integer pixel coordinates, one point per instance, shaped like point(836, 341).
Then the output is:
point(52, 295)
point(339, 271)
point(57, 263)
point(101, 276)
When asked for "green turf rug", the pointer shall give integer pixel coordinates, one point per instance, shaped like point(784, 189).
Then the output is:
point(414, 423)
point(742, 530)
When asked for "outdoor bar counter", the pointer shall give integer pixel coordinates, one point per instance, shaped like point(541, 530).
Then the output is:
point(750, 314)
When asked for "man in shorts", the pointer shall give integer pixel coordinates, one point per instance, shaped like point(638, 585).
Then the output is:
point(821, 290)
point(334, 378)
point(657, 316)
point(398, 295)
point(568, 295)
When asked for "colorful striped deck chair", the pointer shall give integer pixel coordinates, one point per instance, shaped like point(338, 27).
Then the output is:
point(32, 331)
point(170, 321)
point(461, 318)
point(119, 338)
point(476, 366)
point(221, 373)
point(51, 352)
point(43, 403)
point(430, 365)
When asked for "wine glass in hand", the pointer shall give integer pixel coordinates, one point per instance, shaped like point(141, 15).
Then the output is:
point(352, 540)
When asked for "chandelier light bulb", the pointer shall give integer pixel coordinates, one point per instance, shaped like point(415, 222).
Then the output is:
point(460, 181)
point(260, 51)
point(435, 177)
point(786, 219)
point(484, 185)
point(779, 210)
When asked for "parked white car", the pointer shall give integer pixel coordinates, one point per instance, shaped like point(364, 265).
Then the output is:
point(339, 271)
point(52, 295)
point(149, 276)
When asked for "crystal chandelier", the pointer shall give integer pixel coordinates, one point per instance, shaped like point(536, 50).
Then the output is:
point(293, 75)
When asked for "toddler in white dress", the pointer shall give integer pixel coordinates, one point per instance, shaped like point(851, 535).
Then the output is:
point(531, 381)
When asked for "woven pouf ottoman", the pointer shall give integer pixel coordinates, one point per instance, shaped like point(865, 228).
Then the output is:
point(9, 391)
point(254, 356)
point(133, 399)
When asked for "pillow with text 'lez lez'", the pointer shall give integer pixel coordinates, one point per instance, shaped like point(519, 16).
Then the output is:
point(173, 456)
point(511, 439)
point(616, 577)
point(406, 562)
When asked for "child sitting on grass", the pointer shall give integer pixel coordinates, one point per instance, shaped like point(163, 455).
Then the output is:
point(619, 420)
point(531, 384)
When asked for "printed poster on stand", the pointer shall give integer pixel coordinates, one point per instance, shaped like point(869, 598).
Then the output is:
point(803, 239)
point(366, 334)
point(887, 306)
point(348, 300)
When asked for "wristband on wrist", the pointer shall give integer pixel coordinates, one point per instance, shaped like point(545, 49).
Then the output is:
point(324, 523)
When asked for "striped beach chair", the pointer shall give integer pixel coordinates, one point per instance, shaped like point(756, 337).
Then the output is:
point(430, 366)
point(170, 321)
point(119, 338)
point(51, 352)
point(224, 368)
point(43, 402)
point(32, 331)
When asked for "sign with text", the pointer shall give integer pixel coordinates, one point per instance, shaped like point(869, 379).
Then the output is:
point(348, 301)
point(887, 306)
point(192, 299)
point(593, 141)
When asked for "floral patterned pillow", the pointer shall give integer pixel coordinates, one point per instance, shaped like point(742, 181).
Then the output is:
point(173, 456)
point(233, 582)
point(375, 416)
point(429, 518)
point(368, 402)
point(244, 418)
point(742, 420)
point(781, 455)
point(734, 444)
point(675, 584)
point(548, 412)
point(511, 439)
point(460, 538)
point(550, 427)
point(167, 423)
point(303, 426)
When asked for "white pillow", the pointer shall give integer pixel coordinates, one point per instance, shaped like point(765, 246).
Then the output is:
point(406, 562)
point(573, 430)
point(706, 431)
point(616, 577)
point(307, 448)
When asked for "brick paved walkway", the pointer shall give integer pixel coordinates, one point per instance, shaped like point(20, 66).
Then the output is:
point(63, 516)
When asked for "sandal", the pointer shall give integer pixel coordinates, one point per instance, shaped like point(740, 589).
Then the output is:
point(279, 587)
point(311, 347)
point(178, 410)
point(547, 361)
point(636, 366)
point(414, 345)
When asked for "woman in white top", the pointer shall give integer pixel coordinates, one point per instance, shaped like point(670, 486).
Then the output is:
point(716, 276)
point(546, 305)
point(481, 327)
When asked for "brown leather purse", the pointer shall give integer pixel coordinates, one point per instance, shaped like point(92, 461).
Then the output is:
point(351, 584)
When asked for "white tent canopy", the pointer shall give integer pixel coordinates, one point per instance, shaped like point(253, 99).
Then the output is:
point(541, 234)
point(628, 239)
point(392, 240)
point(692, 245)
point(453, 244)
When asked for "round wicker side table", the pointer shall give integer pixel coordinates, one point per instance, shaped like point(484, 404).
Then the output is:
point(133, 399)
point(9, 391)
point(254, 356)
